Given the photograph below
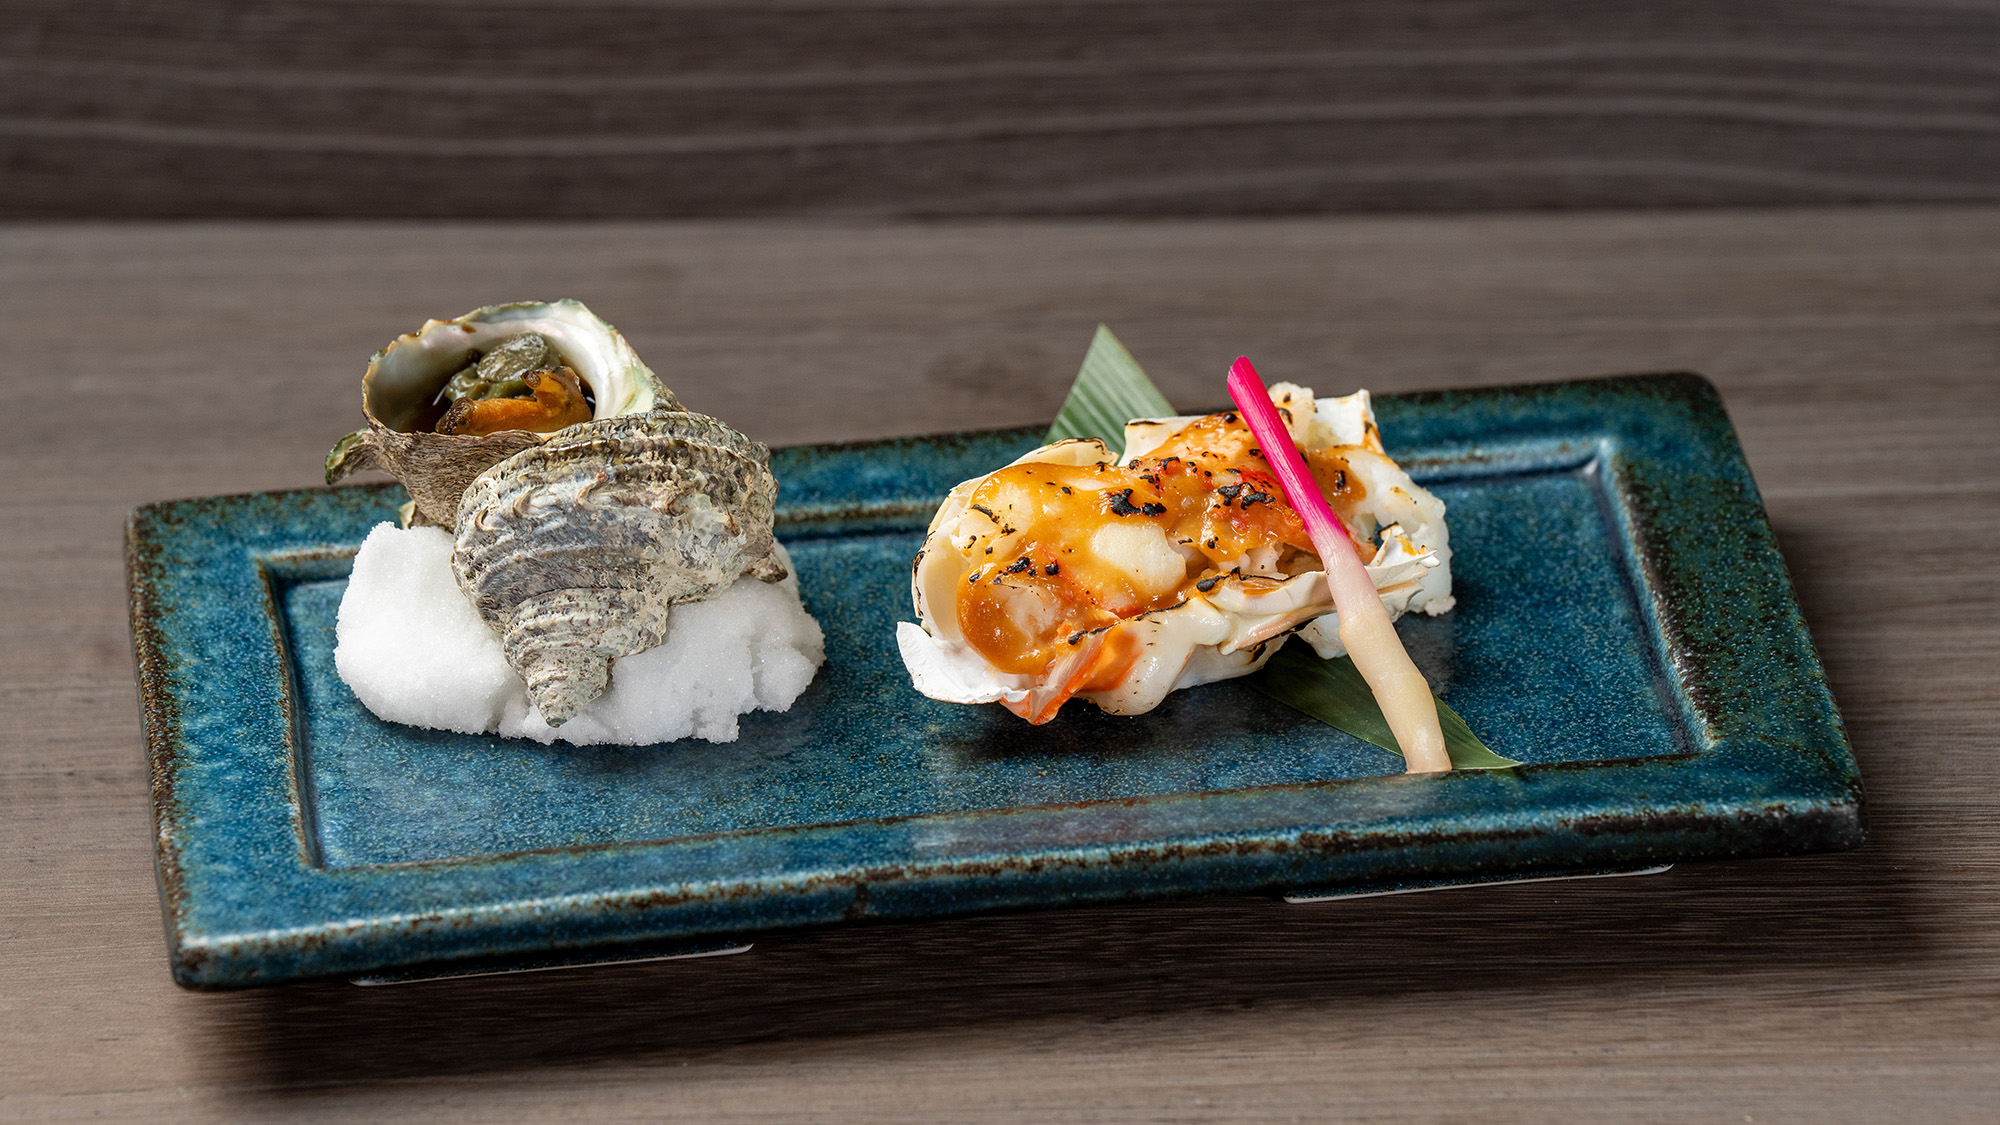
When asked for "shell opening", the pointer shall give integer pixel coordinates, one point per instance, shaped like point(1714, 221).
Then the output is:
point(404, 380)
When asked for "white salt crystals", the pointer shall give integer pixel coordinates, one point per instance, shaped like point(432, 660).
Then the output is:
point(414, 651)
point(410, 645)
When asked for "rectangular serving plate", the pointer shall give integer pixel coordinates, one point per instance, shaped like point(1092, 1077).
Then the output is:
point(1625, 628)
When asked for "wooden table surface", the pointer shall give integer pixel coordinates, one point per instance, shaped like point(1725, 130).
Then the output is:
point(670, 108)
point(1859, 354)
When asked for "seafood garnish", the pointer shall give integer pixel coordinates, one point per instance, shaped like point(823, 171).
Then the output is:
point(1072, 572)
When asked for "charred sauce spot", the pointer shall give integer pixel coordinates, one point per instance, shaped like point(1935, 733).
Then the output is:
point(1244, 493)
point(1121, 505)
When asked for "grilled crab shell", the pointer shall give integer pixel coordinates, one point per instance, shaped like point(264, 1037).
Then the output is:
point(1229, 631)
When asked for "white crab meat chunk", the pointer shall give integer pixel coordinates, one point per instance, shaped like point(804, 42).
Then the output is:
point(1143, 555)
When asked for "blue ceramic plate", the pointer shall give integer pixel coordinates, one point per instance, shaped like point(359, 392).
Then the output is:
point(1625, 628)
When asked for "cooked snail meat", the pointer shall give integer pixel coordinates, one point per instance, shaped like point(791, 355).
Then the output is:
point(558, 402)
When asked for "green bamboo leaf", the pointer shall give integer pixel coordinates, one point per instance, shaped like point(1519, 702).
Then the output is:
point(1111, 389)
point(1333, 692)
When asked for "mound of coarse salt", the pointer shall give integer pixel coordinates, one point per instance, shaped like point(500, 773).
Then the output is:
point(415, 651)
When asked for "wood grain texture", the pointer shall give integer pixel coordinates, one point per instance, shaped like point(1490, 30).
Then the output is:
point(666, 108)
point(1858, 352)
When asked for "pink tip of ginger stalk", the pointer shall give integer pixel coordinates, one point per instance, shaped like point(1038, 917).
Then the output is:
point(1365, 627)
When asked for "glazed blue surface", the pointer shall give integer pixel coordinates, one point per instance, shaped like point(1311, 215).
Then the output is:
point(1538, 673)
point(1625, 629)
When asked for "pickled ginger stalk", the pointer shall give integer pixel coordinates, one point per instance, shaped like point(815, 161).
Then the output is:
point(1365, 627)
